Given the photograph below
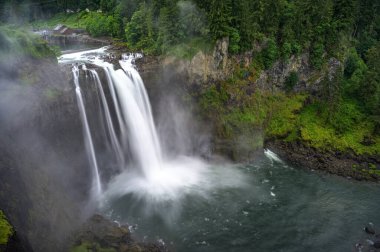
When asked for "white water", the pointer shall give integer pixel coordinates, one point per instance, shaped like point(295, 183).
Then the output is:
point(110, 127)
point(272, 156)
point(150, 177)
point(86, 129)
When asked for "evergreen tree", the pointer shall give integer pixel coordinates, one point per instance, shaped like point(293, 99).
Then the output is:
point(220, 18)
point(168, 29)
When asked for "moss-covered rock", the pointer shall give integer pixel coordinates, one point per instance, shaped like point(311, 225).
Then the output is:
point(6, 229)
point(99, 234)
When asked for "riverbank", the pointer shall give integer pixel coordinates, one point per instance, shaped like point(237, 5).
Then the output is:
point(345, 164)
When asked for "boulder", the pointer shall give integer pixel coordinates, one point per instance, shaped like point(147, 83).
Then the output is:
point(99, 233)
point(376, 244)
point(369, 229)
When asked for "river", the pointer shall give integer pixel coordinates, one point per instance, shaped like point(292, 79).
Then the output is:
point(282, 209)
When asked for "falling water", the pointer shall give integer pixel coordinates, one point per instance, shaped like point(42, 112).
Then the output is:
point(110, 127)
point(88, 138)
point(135, 115)
point(148, 174)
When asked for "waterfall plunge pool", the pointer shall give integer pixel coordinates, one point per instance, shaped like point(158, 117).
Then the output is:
point(279, 208)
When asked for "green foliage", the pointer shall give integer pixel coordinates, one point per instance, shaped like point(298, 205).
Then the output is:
point(139, 31)
point(316, 54)
point(286, 51)
point(192, 20)
point(354, 72)
point(91, 246)
point(107, 5)
point(99, 24)
point(213, 99)
point(346, 117)
point(292, 121)
point(18, 42)
point(319, 134)
point(351, 64)
point(347, 108)
point(6, 230)
point(189, 49)
point(291, 81)
point(74, 20)
point(270, 53)
point(168, 27)
point(287, 117)
point(284, 117)
point(369, 90)
point(96, 24)
point(220, 18)
point(234, 36)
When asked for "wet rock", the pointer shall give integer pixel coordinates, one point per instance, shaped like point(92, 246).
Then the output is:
point(346, 164)
point(358, 246)
point(376, 244)
point(369, 229)
point(370, 242)
point(99, 233)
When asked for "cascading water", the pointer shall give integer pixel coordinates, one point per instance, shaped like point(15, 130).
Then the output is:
point(110, 127)
point(86, 129)
point(148, 174)
point(136, 114)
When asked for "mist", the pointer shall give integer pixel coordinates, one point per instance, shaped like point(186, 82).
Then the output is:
point(43, 160)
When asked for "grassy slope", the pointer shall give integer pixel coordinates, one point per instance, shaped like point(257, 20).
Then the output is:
point(17, 41)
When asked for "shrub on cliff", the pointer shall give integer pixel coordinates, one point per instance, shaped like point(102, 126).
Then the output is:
point(20, 42)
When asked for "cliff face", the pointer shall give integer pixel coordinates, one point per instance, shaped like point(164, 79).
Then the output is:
point(221, 73)
point(42, 157)
point(309, 79)
point(204, 69)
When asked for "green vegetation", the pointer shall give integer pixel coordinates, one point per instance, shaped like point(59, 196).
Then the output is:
point(97, 24)
point(189, 49)
point(17, 41)
point(282, 27)
point(343, 126)
point(343, 115)
point(6, 230)
point(87, 246)
point(291, 81)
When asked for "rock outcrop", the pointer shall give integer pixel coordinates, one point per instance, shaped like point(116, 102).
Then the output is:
point(343, 164)
point(100, 234)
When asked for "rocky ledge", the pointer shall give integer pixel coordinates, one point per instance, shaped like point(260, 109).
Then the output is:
point(101, 234)
point(350, 165)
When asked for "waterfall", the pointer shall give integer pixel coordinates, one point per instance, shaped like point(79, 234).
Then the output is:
point(110, 127)
point(131, 131)
point(86, 130)
point(134, 115)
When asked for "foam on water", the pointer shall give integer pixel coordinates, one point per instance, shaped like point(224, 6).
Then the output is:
point(272, 156)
